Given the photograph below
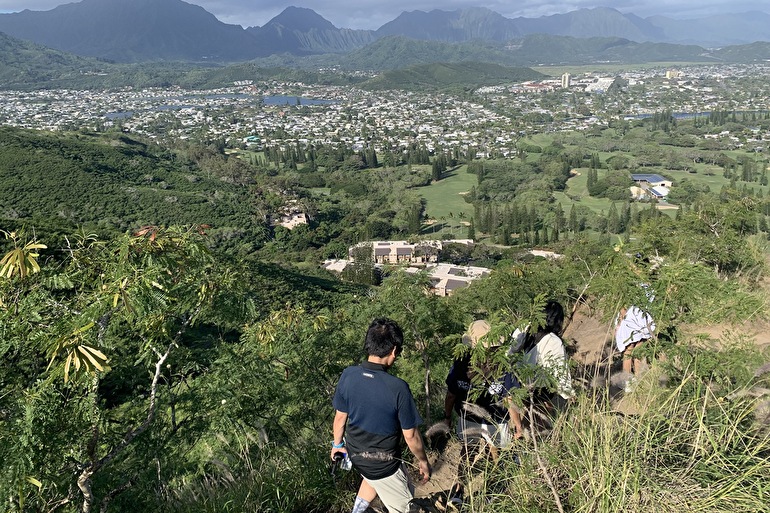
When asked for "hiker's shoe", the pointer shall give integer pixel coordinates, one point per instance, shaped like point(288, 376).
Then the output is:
point(455, 502)
point(630, 386)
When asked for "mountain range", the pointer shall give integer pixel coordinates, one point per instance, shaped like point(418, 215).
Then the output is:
point(173, 30)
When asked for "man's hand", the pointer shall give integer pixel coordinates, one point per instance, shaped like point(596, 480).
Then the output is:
point(337, 450)
point(338, 431)
point(425, 471)
point(514, 422)
point(414, 441)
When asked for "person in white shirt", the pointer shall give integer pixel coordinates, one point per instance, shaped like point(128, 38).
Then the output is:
point(633, 327)
point(544, 350)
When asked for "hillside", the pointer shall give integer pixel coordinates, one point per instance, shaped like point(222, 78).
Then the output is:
point(23, 63)
point(133, 31)
point(396, 52)
point(755, 52)
point(445, 76)
point(452, 26)
point(133, 350)
point(116, 183)
point(595, 22)
point(174, 30)
point(301, 31)
point(715, 31)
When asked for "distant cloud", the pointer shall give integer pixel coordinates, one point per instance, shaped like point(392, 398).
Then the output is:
point(372, 14)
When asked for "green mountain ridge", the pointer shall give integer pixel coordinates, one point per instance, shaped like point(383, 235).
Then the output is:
point(451, 76)
point(173, 30)
point(25, 65)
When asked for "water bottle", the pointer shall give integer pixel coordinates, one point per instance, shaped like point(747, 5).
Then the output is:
point(346, 464)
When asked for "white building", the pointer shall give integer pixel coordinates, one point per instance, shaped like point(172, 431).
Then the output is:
point(403, 252)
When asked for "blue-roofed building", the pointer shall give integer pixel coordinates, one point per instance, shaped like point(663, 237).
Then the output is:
point(651, 180)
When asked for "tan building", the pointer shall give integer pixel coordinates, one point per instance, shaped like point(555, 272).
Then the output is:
point(448, 278)
point(403, 252)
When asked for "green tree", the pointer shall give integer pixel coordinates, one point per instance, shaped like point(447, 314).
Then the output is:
point(613, 219)
point(427, 321)
point(108, 308)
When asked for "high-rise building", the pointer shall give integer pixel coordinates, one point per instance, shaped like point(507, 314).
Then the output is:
point(565, 80)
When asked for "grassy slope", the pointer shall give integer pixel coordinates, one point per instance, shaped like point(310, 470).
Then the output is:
point(445, 196)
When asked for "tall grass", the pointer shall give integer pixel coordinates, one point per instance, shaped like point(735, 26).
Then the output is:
point(689, 441)
point(694, 446)
point(265, 479)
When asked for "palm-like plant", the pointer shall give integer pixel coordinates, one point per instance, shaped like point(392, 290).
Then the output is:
point(22, 259)
point(77, 354)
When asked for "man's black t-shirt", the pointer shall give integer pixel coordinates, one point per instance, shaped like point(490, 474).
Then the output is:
point(488, 396)
point(379, 407)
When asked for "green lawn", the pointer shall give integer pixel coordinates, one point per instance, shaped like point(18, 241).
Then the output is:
point(445, 203)
point(577, 188)
point(713, 176)
point(710, 175)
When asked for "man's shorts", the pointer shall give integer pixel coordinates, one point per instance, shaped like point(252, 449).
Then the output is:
point(395, 491)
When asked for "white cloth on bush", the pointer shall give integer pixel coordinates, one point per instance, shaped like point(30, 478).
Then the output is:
point(549, 353)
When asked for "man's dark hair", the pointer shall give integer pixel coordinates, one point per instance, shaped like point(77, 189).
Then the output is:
point(382, 336)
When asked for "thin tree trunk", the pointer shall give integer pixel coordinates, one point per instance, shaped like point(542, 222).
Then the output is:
point(84, 479)
point(426, 363)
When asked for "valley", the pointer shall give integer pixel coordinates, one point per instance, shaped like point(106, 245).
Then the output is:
point(197, 226)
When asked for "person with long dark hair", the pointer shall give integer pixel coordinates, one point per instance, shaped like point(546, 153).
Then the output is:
point(544, 360)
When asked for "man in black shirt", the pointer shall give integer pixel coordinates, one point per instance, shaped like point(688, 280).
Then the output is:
point(373, 411)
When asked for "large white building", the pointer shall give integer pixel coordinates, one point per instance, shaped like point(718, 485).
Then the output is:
point(447, 278)
point(403, 252)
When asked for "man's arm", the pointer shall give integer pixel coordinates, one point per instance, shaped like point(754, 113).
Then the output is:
point(449, 404)
point(338, 432)
point(414, 442)
point(514, 417)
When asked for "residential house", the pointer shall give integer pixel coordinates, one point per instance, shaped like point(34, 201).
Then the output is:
point(651, 180)
point(448, 278)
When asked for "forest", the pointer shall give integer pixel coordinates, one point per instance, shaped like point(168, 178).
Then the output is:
point(168, 347)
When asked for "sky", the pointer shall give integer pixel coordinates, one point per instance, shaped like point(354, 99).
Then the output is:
point(372, 14)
